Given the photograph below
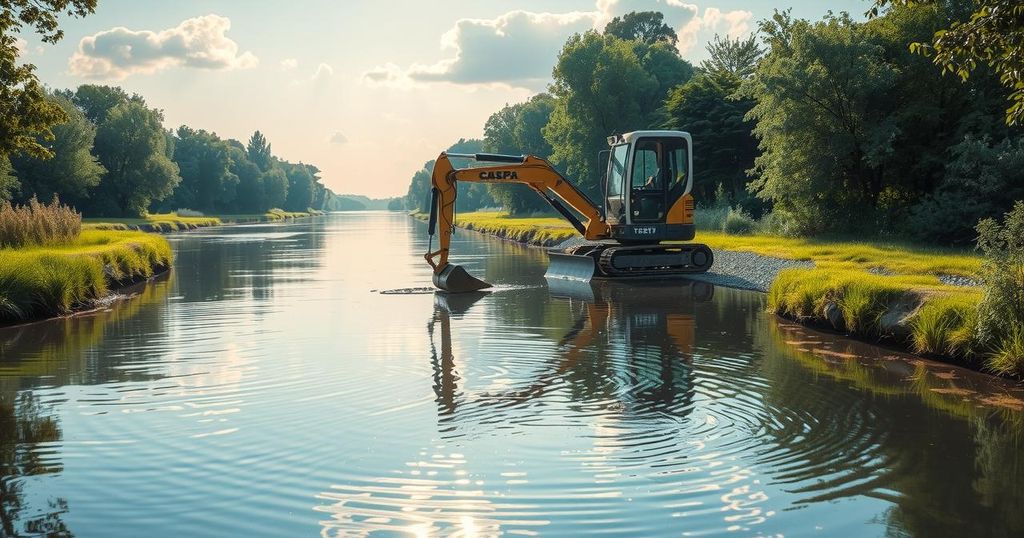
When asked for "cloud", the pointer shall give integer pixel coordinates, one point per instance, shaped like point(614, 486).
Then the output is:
point(338, 138)
point(20, 46)
point(323, 73)
point(199, 42)
point(288, 64)
point(520, 48)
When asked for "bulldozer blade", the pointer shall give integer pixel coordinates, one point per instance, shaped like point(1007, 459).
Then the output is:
point(454, 279)
point(569, 266)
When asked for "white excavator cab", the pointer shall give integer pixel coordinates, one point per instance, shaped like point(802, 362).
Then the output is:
point(648, 175)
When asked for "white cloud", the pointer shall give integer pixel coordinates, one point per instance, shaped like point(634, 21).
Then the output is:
point(20, 46)
point(323, 73)
point(288, 64)
point(199, 42)
point(520, 48)
point(338, 138)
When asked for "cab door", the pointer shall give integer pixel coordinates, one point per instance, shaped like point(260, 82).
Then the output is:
point(649, 178)
point(615, 185)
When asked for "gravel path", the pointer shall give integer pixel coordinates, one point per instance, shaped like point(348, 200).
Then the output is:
point(743, 270)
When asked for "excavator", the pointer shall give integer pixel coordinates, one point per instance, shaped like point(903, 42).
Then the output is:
point(647, 200)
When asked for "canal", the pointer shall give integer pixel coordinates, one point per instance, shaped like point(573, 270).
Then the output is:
point(266, 387)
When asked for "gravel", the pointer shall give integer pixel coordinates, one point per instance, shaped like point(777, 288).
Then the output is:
point(743, 270)
point(954, 280)
point(746, 270)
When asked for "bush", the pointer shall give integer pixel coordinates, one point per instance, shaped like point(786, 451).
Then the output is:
point(38, 224)
point(981, 181)
point(182, 212)
point(1001, 312)
point(738, 222)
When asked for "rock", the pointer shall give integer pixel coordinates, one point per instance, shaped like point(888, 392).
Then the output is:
point(895, 322)
point(834, 315)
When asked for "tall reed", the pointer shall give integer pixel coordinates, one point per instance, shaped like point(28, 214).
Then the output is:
point(38, 224)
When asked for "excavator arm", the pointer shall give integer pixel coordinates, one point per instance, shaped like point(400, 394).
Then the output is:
point(534, 172)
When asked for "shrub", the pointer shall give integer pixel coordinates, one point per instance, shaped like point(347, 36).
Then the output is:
point(738, 222)
point(1001, 312)
point(38, 224)
point(182, 212)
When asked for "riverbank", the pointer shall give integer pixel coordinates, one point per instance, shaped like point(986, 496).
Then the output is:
point(918, 298)
point(171, 222)
point(47, 281)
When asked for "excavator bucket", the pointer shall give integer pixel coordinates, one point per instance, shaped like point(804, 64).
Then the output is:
point(570, 266)
point(454, 279)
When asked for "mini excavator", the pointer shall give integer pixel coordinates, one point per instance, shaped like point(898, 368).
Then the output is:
point(647, 201)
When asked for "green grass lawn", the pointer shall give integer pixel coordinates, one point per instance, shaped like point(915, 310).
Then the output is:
point(52, 280)
point(171, 222)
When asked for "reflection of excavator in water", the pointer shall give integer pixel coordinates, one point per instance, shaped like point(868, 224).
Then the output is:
point(648, 327)
point(646, 201)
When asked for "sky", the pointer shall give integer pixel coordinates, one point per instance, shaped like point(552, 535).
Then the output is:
point(366, 90)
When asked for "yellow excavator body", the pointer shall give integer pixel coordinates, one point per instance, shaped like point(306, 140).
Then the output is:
point(646, 201)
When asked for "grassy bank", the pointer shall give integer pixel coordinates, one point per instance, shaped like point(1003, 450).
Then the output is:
point(877, 291)
point(172, 222)
point(51, 280)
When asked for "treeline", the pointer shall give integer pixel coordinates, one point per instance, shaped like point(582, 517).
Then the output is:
point(830, 126)
point(112, 157)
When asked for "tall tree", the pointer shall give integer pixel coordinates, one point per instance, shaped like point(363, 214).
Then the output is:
point(24, 110)
point(646, 26)
point(993, 34)
point(131, 144)
point(605, 85)
point(736, 56)
point(517, 129)
point(711, 108)
point(207, 182)
point(300, 187)
point(72, 170)
point(97, 101)
point(8, 183)
point(259, 151)
point(274, 184)
point(249, 196)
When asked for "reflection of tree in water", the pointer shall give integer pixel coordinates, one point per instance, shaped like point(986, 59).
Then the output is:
point(23, 426)
point(857, 420)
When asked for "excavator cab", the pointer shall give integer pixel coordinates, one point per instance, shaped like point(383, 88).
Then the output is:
point(647, 187)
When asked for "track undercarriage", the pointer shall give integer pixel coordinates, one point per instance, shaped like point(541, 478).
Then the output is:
point(612, 260)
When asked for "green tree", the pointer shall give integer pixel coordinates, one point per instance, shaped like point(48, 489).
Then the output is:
point(97, 101)
point(207, 182)
point(300, 187)
point(25, 112)
point(736, 56)
point(131, 144)
point(274, 184)
point(993, 34)
point(72, 170)
point(605, 85)
point(517, 129)
point(8, 183)
point(259, 151)
point(646, 26)
point(711, 108)
point(249, 193)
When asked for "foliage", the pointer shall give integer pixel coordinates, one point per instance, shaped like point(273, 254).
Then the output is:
point(981, 180)
point(516, 129)
point(469, 197)
point(841, 144)
point(605, 85)
point(1001, 312)
point(131, 144)
point(645, 26)
point(8, 182)
point(49, 281)
point(300, 186)
point(72, 170)
point(274, 184)
point(97, 101)
point(710, 107)
point(738, 222)
point(37, 224)
point(204, 163)
point(25, 113)
point(259, 151)
point(738, 57)
point(993, 34)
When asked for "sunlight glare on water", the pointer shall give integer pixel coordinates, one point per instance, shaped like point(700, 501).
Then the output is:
point(272, 386)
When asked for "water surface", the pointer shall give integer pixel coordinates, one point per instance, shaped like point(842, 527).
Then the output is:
point(266, 388)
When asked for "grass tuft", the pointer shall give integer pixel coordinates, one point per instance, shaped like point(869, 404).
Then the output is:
point(37, 224)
